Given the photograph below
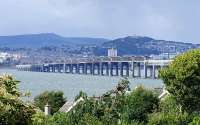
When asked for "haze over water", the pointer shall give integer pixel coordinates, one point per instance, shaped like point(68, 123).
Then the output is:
point(71, 84)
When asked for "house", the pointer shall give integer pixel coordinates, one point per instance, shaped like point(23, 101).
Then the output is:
point(163, 94)
point(69, 105)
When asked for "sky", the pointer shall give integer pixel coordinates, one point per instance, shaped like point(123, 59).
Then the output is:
point(177, 20)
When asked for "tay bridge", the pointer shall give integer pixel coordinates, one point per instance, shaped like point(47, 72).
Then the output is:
point(121, 66)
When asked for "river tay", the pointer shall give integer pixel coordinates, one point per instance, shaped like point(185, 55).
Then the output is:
point(37, 82)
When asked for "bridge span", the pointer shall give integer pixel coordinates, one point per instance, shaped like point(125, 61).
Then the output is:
point(130, 68)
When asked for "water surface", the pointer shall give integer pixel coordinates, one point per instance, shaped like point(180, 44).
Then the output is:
point(71, 84)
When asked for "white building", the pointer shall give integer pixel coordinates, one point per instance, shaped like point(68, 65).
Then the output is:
point(112, 52)
point(165, 56)
point(8, 56)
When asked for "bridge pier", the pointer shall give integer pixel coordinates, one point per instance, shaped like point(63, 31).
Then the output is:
point(139, 69)
point(56, 67)
point(124, 66)
point(114, 66)
point(96, 69)
point(74, 68)
point(133, 69)
point(88, 68)
point(105, 65)
point(67, 68)
point(61, 68)
point(45, 68)
point(156, 71)
point(70, 68)
point(145, 70)
point(53, 68)
point(81, 68)
point(41, 68)
point(153, 72)
point(136, 67)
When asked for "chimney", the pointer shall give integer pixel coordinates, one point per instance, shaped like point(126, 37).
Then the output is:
point(47, 109)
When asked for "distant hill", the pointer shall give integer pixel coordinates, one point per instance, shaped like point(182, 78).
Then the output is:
point(46, 39)
point(130, 45)
point(140, 45)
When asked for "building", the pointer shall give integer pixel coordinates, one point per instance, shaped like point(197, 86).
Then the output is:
point(9, 57)
point(164, 56)
point(69, 105)
point(112, 52)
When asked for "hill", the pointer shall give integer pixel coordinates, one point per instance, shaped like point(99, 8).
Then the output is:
point(141, 45)
point(46, 39)
point(53, 44)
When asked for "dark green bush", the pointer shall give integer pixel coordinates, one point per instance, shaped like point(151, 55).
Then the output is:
point(54, 98)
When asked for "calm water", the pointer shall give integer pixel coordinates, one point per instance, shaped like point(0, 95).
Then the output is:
point(71, 84)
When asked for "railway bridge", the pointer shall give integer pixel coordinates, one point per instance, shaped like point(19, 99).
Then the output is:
point(145, 68)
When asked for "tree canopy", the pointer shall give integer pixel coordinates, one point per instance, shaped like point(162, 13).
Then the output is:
point(13, 111)
point(54, 98)
point(182, 80)
point(114, 107)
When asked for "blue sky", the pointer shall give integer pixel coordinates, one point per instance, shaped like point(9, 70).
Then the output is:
point(161, 19)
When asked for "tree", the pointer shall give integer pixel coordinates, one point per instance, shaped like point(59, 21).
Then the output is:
point(169, 114)
point(81, 94)
point(13, 111)
point(54, 98)
point(105, 109)
point(114, 107)
point(39, 118)
point(89, 119)
point(140, 103)
point(195, 121)
point(120, 89)
point(182, 80)
point(161, 118)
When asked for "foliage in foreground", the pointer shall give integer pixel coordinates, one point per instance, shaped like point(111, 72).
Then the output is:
point(169, 113)
point(182, 80)
point(54, 98)
point(114, 107)
point(13, 111)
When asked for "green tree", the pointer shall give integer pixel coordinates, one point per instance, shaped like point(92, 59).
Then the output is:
point(169, 114)
point(105, 109)
point(54, 98)
point(39, 118)
point(161, 118)
point(195, 121)
point(140, 102)
point(81, 94)
point(112, 108)
point(13, 111)
point(182, 80)
point(89, 119)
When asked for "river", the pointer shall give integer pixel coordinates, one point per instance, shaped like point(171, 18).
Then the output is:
point(71, 84)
